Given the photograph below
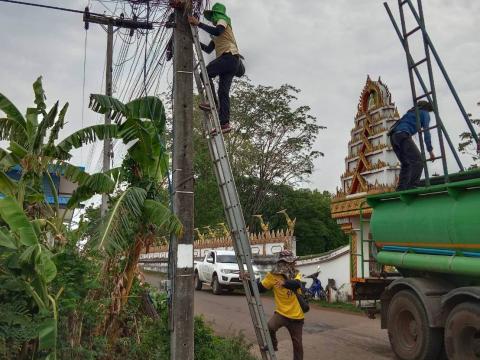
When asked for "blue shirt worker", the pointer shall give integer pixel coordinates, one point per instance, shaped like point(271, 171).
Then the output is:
point(404, 147)
point(227, 63)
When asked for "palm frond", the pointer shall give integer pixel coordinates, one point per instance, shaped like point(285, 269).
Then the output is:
point(161, 216)
point(115, 173)
point(7, 160)
point(45, 124)
point(98, 183)
point(39, 95)
point(32, 126)
point(11, 111)
point(115, 232)
point(7, 185)
point(17, 150)
point(85, 136)
point(104, 104)
point(149, 107)
point(11, 129)
point(58, 125)
point(13, 215)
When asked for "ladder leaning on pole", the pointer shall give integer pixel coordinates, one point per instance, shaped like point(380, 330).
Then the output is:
point(231, 202)
point(428, 88)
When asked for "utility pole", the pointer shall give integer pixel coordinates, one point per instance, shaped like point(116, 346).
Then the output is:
point(107, 143)
point(181, 341)
point(110, 22)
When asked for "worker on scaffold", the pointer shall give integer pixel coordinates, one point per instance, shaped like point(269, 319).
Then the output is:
point(407, 152)
point(227, 63)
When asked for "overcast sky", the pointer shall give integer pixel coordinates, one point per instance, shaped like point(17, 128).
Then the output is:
point(325, 48)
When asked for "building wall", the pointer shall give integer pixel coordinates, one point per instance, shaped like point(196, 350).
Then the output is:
point(335, 265)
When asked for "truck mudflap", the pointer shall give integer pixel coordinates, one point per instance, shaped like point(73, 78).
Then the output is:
point(430, 292)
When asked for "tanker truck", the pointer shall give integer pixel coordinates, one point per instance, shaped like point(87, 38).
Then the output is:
point(427, 243)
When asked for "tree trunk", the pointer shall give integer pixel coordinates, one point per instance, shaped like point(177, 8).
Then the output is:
point(122, 290)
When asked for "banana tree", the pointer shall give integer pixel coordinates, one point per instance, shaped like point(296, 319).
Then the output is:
point(29, 268)
point(138, 216)
point(28, 222)
point(34, 151)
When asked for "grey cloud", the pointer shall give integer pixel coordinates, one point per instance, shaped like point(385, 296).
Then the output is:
point(325, 48)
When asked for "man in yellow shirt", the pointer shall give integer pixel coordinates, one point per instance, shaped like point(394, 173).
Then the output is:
point(227, 63)
point(284, 279)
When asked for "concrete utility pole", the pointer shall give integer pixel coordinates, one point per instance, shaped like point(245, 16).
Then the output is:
point(181, 344)
point(110, 23)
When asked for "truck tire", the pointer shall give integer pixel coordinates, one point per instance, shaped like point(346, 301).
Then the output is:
point(198, 282)
point(410, 336)
point(216, 287)
point(462, 332)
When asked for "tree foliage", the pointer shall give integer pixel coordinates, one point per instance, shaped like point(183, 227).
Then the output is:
point(272, 152)
point(468, 145)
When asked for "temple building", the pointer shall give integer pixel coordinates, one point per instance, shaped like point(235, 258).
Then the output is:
point(371, 167)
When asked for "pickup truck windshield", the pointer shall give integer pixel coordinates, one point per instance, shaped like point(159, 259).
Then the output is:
point(226, 259)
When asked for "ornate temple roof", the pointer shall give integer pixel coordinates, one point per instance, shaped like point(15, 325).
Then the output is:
point(375, 94)
point(369, 159)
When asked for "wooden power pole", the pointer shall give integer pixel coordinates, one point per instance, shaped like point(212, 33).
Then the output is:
point(181, 345)
point(110, 22)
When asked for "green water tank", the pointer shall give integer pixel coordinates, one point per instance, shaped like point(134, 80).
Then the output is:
point(443, 217)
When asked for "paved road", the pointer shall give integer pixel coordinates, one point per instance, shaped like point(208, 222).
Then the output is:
point(328, 334)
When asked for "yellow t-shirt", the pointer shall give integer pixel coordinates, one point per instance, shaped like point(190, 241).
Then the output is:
point(226, 42)
point(286, 302)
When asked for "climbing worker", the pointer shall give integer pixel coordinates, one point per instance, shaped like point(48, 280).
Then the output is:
point(284, 279)
point(407, 152)
point(227, 63)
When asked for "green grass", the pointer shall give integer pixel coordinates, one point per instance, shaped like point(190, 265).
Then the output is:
point(337, 305)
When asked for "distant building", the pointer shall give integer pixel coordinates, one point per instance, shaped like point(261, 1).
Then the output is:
point(65, 188)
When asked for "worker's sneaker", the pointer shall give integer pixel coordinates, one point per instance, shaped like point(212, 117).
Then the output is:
point(226, 128)
point(205, 106)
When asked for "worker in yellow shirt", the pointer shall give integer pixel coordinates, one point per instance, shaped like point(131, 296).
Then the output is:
point(284, 279)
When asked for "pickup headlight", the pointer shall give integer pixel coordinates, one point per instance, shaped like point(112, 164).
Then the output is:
point(229, 271)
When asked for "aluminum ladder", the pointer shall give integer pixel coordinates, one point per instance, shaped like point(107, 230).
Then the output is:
point(428, 91)
point(231, 201)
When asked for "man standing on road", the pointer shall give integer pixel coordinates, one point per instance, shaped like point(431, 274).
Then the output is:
point(407, 152)
point(284, 279)
point(227, 62)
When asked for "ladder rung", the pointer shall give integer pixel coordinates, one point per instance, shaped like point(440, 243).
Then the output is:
point(413, 31)
point(430, 128)
point(423, 96)
point(435, 158)
point(418, 63)
point(219, 159)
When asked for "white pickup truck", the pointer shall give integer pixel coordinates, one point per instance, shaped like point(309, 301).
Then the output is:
point(219, 269)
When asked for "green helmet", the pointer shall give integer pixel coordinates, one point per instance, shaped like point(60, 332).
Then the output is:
point(218, 12)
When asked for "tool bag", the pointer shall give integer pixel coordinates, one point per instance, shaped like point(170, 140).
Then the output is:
point(241, 67)
point(302, 300)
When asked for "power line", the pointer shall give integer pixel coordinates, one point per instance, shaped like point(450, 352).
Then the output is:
point(47, 7)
